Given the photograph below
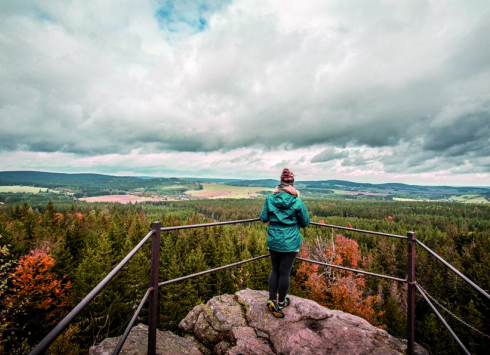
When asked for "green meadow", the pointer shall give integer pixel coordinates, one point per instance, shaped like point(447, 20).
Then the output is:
point(25, 189)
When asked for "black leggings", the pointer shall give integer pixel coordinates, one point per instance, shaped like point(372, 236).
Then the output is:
point(282, 264)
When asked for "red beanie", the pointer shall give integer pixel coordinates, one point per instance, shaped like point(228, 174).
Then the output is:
point(287, 176)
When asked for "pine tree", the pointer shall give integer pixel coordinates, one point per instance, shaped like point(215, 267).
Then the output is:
point(64, 260)
point(134, 281)
point(116, 233)
point(98, 318)
point(49, 215)
point(30, 224)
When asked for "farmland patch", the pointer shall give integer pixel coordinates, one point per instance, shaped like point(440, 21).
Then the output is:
point(227, 191)
point(25, 189)
point(120, 199)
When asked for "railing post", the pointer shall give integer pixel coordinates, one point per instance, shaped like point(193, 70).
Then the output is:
point(155, 265)
point(410, 292)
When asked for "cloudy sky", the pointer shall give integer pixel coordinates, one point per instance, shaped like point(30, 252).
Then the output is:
point(359, 90)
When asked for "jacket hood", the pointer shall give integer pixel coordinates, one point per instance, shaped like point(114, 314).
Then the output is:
point(283, 200)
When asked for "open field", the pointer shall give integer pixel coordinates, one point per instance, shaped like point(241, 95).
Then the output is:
point(26, 189)
point(462, 198)
point(479, 199)
point(227, 191)
point(120, 199)
point(469, 198)
point(406, 199)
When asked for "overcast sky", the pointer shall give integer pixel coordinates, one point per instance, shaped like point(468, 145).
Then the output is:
point(359, 90)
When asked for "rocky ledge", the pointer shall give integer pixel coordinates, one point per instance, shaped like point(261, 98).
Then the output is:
point(242, 324)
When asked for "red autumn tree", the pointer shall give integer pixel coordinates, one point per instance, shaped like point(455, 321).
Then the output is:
point(37, 298)
point(334, 288)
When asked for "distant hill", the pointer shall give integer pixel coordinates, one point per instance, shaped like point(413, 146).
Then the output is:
point(94, 184)
point(259, 183)
point(388, 187)
point(97, 184)
point(39, 177)
point(216, 180)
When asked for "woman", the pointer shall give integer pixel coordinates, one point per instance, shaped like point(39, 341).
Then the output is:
point(286, 213)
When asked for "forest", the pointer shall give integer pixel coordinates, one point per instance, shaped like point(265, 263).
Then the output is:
point(53, 253)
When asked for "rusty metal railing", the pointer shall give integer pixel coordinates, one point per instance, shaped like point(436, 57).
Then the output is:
point(152, 292)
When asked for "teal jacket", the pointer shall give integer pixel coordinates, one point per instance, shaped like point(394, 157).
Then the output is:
point(286, 214)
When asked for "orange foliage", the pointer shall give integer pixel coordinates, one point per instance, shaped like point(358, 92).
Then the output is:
point(36, 288)
point(334, 288)
point(389, 219)
point(349, 225)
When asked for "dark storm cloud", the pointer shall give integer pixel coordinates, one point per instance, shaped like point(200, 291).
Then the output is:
point(329, 154)
point(468, 133)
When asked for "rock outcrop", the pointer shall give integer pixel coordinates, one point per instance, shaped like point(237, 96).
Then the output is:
point(242, 324)
point(137, 344)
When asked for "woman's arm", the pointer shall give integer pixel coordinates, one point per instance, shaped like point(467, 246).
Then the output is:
point(302, 215)
point(264, 215)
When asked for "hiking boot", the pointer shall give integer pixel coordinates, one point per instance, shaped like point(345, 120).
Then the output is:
point(286, 303)
point(275, 310)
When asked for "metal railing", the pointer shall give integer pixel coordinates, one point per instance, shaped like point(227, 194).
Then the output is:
point(152, 292)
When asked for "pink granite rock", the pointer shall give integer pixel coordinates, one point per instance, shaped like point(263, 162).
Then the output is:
point(242, 324)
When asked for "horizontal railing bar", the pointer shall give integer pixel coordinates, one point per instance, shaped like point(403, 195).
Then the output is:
point(453, 269)
point(166, 229)
point(66, 321)
point(353, 270)
point(131, 323)
point(359, 230)
point(210, 271)
point(442, 320)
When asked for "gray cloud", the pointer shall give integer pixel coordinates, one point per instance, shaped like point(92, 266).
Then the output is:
point(220, 77)
point(465, 134)
point(329, 154)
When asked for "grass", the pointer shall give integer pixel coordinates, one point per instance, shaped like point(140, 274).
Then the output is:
point(469, 198)
point(479, 199)
point(26, 189)
point(227, 191)
point(462, 198)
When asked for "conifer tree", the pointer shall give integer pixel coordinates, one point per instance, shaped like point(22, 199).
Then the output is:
point(30, 224)
point(49, 218)
point(116, 233)
point(64, 260)
point(100, 314)
point(136, 230)
point(134, 281)
point(225, 255)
